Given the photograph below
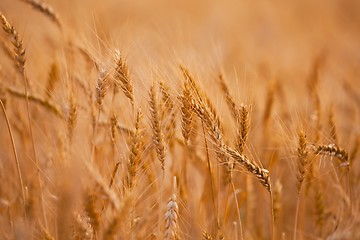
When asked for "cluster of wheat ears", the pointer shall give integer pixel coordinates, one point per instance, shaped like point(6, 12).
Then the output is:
point(94, 155)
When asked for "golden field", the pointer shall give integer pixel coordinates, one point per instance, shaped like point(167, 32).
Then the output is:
point(184, 119)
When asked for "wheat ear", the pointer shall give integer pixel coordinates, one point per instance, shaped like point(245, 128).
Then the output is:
point(186, 112)
point(333, 150)
point(135, 150)
point(171, 217)
point(122, 77)
point(243, 128)
point(45, 9)
point(158, 138)
point(261, 174)
point(16, 42)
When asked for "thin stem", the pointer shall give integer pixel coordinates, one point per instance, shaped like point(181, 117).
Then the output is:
point(15, 154)
point(296, 215)
point(348, 180)
point(238, 211)
point(34, 149)
point(160, 202)
point(211, 178)
point(272, 216)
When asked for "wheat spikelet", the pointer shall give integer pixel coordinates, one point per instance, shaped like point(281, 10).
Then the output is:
point(122, 77)
point(82, 229)
point(156, 126)
point(171, 217)
point(302, 159)
point(45, 9)
point(243, 128)
point(101, 87)
point(186, 112)
point(16, 42)
point(333, 150)
point(135, 150)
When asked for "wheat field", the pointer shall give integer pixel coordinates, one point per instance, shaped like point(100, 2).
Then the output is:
point(192, 119)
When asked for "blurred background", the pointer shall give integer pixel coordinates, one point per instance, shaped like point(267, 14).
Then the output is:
point(289, 55)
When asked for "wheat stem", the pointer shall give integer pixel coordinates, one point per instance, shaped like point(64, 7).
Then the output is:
point(15, 154)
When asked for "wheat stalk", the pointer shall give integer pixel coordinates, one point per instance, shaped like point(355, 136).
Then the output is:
point(17, 162)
